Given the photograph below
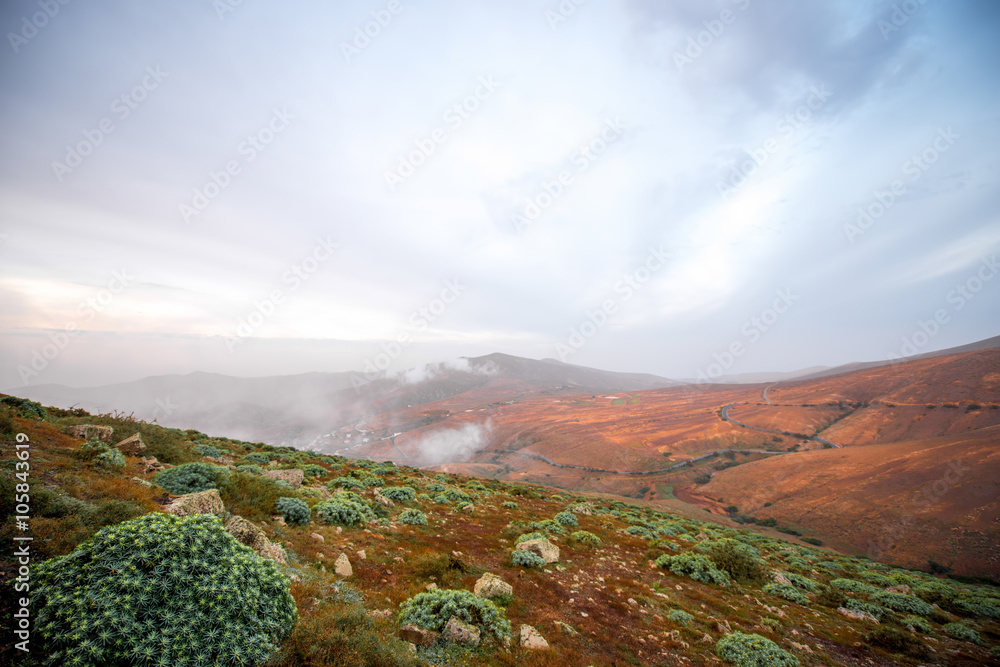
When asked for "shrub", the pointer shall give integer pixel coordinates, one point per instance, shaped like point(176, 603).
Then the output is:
point(831, 597)
point(696, 566)
point(258, 458)
point(345, 508)
point(813, 541)
point(753, 650)
point(345, 483)
point(175, 590)
point(191, 478)
point(918, 624)
point(24, 407)
point(413, 517)
point(769, 522)
point(584, 537)
point(441, 499)
point(805, 583)
point(530, 536)
point(934, 591)
point(978, 606)
point(508, 505)
point(112, 459)
point(567, 519)
point(867, 607)
point(877, 579)
point(741, 561)
point(787, 592)
point(548, 526)
point(962, 632)
point(399, 493)
point(702, 479)
point(457, 495)
point(436, 487)
point(432, 610)
point(639, 531)
point(680, 617)
point(854, 586)
point(294, 510)
point(475, 485)
point(525, 558)
point(8, 429)
point(208, 450)
point(313, 470)
point(250, 469)
point(895, 641)
point(904, 603)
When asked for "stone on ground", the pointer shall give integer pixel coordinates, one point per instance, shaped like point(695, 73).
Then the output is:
point(460, 632)
point(532, 639)
point(548, 551)
point(203, 502)
point(491, 586)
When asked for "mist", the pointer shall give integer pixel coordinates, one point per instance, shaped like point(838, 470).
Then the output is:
point(454, 444)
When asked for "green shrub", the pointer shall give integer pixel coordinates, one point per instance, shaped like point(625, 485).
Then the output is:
point(166, 590)
point(191, 478)
point(525, 558)
point(695, 566)
point(753, 650)
point(313, 470)
point(8, 429)
point(680, 617)
point(813, 541)
point(112, 459)
point(831, 597)
point(250, 469)
point(441, 499)
point(432, 610)
point(978, 606)
point(830, 565)
point(436, 488)
point(854, 586)
point(208, 450)
point(508, 505)
point(639, 531)
point(457, 496)
point(867, 607)
point(548, 526)
point(530, 536)
point(788, 592)
point(258, 458)
point(805, 583)
point(475, 485)
point(878, 579)
point(741, 561)
point(962, 632)
point(584, 537)
point(345, 483)
point(294, 510)
point(895, 641)
point(346, 508)
point(918, 624)
point(935, 591)
point(413, 517)
point(904, 603)
point(399, 493)
point(24, 407)
point(567, 519)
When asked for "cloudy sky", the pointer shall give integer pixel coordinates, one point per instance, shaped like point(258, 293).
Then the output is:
point(268, 188)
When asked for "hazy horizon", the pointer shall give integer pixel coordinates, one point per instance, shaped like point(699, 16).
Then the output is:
point(258, 190)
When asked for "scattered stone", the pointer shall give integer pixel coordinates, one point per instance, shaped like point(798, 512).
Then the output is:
point(586, 509)
point(801, 647)
point(380, 499)
point(491, 586)
point(417, 636)
point(532, 639)
point(92, 431)
point(362, 555)
point(253, 536)
point(859, 615)
point(548, 551)
point(293, 476)
point(132, 444)
point(781, 579)
point(318, 537)
point(384, 614)
point(633, 602)
point(902, 589)
point(342, 568)
point(458, 631)
point(707, 639)
point(152, 465)
point(566, 628)
point(431, 586)
point(203, 502)
point(468, 508)
point(143, 483)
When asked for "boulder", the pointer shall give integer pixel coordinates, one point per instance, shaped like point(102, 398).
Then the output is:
point(92, 431)
point(318, 537)
point(417, 636)
point(293, 476)
point(491, 586)
point(779, 578)
point(902, 589)
point(382, 500)
point(204, 502)
point(254, 537)
point(586, 509)
point(152, 465)
point(548, 551)
point(342, 566)
point(859, 615)
point(458, 631)
point(468, 508)
point(132, 444)
point(143, 483)
point(532, 639)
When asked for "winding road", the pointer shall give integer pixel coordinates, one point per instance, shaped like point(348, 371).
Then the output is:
point(676, 466)
point(725, 417)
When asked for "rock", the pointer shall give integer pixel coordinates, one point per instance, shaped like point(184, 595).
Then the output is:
point(254, 537)
point(293, 476)
point(383, 614)
point(152, 465)
point(431, 586)
point(318, 537)
point(531, 639)
point(633, 602)
point(141, 482)
point(362, 555)
point(204, 502)
point(586, 509)
point(491, 586)
point(220, 460)
point(801, 647)
point(92, 431)
point(417, 636)
point(382, 500)
point(859, 615)
point(468, 508)
point(902, 589)
point(458, 631)
point(343, 566)
point(781, 579)
point(132, 444)
point(566, 628)
point(548, 551)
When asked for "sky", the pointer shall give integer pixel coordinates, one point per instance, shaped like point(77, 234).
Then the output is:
point(687, 189)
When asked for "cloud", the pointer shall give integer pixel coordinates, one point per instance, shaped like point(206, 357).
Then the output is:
point(456, 444)
point(432, 370)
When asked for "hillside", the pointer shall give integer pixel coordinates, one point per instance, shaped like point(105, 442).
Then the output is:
point(686, 592)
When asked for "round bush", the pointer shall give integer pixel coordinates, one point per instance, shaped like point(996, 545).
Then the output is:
point(805, 583)
point(313, 470)
point(162, 590)
point(259, 458)
point(525, 558)
point(530, 536)
point(852, 586)
point(191, 478)
point(294, 510)
point(905, 603)
point(567, 519)
point(696, 566)
point(680, 617)
point(208, 450)
point(507, 504)
point(250, 469)
point(788, 592)
point(111, 459)
point(962, 632)
point(457, 496)
point(432, 610)
point(345, 508)
point(413, 517)
point(585, 537)
point(978, 606)
point(740, 561)
point(345, 483)
point(746, 650)
point(399, 493)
